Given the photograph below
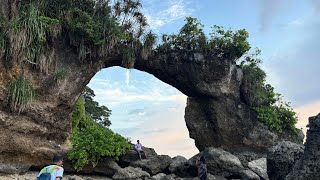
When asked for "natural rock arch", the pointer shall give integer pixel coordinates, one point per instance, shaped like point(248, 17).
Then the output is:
point(215, 114)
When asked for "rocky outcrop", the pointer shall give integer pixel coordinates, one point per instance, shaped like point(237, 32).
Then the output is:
point(132, 156)
point(222, 163)
point(153, 165)
point(130, 173)
point(259, 166)
point(282, 158)
point(308, 166)
point(178, 165)
point(221, 119)
point(106, 166)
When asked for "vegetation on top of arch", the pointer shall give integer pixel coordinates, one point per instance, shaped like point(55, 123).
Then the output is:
point(93, 28)
point(97, 28)
point(191, 38)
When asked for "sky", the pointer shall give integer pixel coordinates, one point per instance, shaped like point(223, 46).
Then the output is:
point(287, 32)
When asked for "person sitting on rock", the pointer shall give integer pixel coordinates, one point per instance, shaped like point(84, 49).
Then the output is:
point(202, 168)
point(55, 171)
point(138, 148)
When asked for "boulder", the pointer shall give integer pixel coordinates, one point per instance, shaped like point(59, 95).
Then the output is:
point(163, 176)
point(308, 166)
point(106, 166)
point(247, 156)
point(130, 173)
point(159, 176)
point(154, 164)
point(132, 156)
point(281, 158)
point(219, 162)
point(259, 166)
point(178, 165)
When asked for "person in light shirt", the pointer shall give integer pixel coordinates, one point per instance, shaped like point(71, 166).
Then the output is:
point(54, 169)
point(138, 148)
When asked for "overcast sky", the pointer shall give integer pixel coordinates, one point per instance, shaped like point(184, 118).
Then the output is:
point(287, 31)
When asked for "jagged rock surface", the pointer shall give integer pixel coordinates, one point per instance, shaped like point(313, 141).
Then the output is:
point(259, 166)
point(308, 166)
point(131, 173)
point(222, 163)
point(282, 158)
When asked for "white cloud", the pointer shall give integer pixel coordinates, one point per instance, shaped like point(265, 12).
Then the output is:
point(161, 13)
point(117, 97)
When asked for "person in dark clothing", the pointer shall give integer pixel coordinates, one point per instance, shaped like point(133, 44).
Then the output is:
point(202, 168)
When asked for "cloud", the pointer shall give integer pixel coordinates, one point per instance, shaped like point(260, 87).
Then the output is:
point(139, 112)
point(160, 13)
point(295, 67)
point(316, 5)
point(269, 10)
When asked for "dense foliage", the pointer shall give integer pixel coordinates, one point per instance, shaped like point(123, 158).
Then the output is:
point(191, 38)
point(91, 141)
point(93, 28)
point(259, 95)
point(20, 93)
point(100, 114)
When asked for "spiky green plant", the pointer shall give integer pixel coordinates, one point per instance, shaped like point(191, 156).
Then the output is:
point(32, 31)
point(61, 74)
point(20, 94)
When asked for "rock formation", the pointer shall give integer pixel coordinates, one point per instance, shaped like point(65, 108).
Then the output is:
point(281, 159)
point(308, 166)
point(216, 116)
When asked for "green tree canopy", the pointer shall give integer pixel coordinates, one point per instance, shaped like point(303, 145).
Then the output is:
point(99, 114)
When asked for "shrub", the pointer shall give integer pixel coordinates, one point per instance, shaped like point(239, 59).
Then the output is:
point(260, 96)
point(20, 93)
point(233, 44)
point(223, 43)
point(91, 141)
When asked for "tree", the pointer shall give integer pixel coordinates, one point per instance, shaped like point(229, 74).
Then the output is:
point(100, 114)
point(91, 141)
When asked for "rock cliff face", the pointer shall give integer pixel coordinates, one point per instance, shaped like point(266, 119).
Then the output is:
point(308, 166)
point(215, 114)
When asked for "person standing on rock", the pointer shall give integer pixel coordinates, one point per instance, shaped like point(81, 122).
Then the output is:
point(53, 171)
point(138, 148)
point(202, 168)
